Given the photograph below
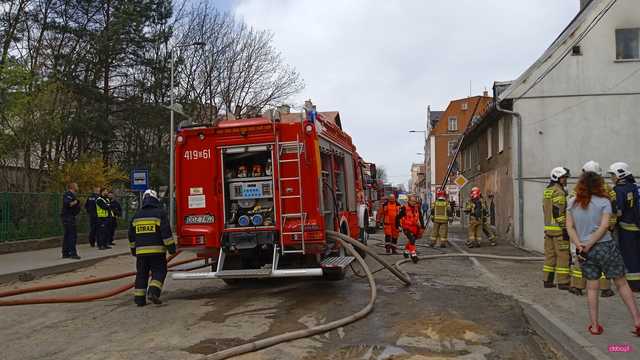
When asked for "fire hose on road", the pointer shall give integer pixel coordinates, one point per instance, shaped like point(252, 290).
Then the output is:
point(79, 298)
point(344, 240)
point(349, 245)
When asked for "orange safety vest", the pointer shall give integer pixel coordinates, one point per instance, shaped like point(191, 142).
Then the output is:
point(411, 219)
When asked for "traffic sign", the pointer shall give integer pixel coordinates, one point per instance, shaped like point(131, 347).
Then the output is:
point(461, 181)
point(139, 180)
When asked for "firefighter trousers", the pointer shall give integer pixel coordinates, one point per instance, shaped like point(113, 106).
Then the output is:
point(474, 232)
point(630, 249)
point(578, 282)
point(440, 234)
point(489, 232)
point(556, 260)
point(156, 265)
point(390, 242)
point(411, 244)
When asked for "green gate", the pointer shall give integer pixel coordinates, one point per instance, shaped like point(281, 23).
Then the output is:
point(26, 216)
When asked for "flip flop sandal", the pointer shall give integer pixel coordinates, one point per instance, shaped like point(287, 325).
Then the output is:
point(636, 332)
point(599, 330)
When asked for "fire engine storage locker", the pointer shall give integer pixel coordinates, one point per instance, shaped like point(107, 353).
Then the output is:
point(248, 186)
point(337, 177)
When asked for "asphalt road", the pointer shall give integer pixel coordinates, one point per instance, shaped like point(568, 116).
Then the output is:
point(447, 313)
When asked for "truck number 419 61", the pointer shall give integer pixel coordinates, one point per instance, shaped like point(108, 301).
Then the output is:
point(197, 154)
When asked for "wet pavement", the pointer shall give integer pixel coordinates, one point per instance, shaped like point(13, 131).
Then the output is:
point(449, 312)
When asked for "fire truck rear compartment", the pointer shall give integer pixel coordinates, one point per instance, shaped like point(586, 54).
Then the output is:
point(248, 187)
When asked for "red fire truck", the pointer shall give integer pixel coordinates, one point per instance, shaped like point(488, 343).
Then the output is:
point(258, 195)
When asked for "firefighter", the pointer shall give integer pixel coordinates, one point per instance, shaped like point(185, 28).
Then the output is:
point(440, 214)
point(103, 215)
point(150, 238)
point(556, 238)
point(475, 210)
point(578, 284)
point(391, 223)
point(486, 228)
point(412, 226)
point(90, 208)
point(628, 220)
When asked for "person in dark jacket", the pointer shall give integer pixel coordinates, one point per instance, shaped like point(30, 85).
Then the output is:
point(103, 213)
point(628, 217)
point(116, 212)
point(90, 208)
point(70, 209)
point(150, 238)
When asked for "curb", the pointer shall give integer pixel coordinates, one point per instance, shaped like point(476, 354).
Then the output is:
point(55, 269)
point(555, 331)
point(15, 246)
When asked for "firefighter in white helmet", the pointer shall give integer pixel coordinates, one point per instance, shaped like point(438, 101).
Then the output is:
point(578, 283)
point(556, 239)
point(628, 220)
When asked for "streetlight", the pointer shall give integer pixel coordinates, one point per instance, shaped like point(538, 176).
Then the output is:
point(172, 135)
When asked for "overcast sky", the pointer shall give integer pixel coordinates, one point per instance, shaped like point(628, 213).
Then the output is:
point(381, 62)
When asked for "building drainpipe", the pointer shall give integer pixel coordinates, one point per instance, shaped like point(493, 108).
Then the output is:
point(519, 168)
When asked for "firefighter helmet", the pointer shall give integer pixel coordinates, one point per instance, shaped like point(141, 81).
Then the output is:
point(620, 170)
point(475, 192)
point(150, 193)
point(441, 195)
point(593, 167)
point(559, 172)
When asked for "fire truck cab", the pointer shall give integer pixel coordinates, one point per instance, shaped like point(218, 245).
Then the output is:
point(258, 195)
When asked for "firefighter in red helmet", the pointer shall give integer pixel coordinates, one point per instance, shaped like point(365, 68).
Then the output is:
point(440, 213)
point(475, 211)
point(412, 225)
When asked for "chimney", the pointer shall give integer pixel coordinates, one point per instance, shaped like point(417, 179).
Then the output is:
point(284, 109)
point(583, 4)
point(485, 93)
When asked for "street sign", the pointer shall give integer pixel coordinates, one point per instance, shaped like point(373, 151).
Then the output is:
point(139, 180)
point(461, 181)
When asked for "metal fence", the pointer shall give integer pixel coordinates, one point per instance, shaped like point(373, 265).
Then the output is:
point(26, 216)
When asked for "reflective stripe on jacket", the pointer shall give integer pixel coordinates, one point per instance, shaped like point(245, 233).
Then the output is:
point(102, 208)
point(440, 210)
point(150, 232)
point(554, 207)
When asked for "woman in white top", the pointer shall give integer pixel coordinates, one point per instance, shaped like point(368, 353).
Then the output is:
point(588, 226)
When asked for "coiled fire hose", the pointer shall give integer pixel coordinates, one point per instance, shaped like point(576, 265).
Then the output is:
point(349, 245)
point(80, 298)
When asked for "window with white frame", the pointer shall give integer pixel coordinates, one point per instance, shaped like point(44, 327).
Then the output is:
point(628, 44)
point(500, 135)
point(452, 147)
point(453, 123)
point(489, 143)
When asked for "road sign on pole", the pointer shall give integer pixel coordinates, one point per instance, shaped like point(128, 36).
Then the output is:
point(461, 181)
point(139, 180)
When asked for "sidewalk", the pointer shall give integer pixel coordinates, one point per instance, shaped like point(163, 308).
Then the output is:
point(562, 315)
point(30, 264)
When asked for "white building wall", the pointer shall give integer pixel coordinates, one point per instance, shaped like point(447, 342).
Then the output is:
point(568, 131)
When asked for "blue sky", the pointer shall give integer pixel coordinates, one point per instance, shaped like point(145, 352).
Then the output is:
point(381, 62)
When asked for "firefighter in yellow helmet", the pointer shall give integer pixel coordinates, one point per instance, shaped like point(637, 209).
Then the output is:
point(440, 213)
point(578, 283)
point(556, 239)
